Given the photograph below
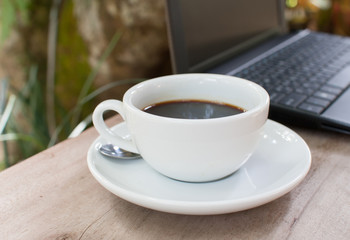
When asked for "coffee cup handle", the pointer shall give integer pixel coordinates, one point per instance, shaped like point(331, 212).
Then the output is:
point(105, 131)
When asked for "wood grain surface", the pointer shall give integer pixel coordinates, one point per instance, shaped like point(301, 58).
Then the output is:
point(53, 196)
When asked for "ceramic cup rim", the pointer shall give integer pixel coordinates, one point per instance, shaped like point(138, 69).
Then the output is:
point(133, 91)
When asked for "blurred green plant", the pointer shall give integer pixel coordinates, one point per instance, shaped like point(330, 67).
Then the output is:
point(33, 118)
point(33, 135)
point(12, 11)
point(25, 104)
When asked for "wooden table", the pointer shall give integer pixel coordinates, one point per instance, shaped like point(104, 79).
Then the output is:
point(53, 196)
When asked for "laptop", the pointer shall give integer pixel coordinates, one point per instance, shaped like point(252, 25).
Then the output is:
point(306, 73)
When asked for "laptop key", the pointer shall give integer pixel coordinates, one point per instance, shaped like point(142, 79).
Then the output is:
point(293, 99)
point(331, 89)
point(318, 101)
point(311, 108)
point(275, 96)
point(306, 91)
point(325, 95)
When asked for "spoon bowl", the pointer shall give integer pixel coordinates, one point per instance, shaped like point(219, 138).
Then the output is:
point(113, 151)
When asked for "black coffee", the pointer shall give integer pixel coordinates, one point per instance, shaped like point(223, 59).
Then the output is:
point(193, 109)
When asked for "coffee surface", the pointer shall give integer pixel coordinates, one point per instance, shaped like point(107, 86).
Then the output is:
point(193, 109)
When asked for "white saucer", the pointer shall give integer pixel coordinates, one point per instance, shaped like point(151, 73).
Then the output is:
point(280, 163)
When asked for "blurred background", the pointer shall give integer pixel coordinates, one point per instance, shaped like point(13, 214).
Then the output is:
point(60, 58)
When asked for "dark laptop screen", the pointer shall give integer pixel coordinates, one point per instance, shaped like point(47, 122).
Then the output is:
point(206, 31)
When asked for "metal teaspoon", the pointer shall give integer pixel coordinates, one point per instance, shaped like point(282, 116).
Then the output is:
point(116, 152)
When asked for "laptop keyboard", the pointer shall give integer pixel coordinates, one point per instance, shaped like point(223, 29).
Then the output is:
point(306, 75)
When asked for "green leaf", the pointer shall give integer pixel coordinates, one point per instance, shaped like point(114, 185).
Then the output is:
point(88, 83)
point(22, 137)
point(7, 20)
point(12, 11)
point(7, 113)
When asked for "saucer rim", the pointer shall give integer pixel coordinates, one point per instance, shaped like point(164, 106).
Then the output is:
point(201, 207)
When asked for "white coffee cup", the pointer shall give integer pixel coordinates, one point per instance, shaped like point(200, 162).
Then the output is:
point(194, 150)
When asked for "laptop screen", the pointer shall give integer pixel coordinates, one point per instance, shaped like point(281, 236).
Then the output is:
point(205, 32)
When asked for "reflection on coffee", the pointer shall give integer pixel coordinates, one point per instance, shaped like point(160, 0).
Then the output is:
point(193, 109)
